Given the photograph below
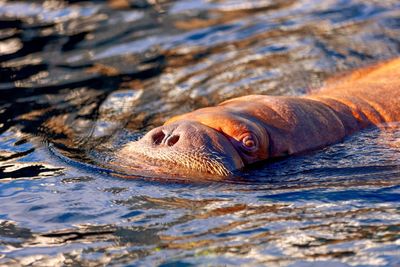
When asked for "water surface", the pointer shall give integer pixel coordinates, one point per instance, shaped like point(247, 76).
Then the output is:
point(78, 79)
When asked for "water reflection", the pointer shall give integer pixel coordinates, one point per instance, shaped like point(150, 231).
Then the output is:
point(79, 78)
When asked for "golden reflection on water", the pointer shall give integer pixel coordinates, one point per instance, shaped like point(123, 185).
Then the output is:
point(278, 225)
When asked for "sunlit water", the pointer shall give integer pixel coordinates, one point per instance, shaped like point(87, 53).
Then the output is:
point(78, 79)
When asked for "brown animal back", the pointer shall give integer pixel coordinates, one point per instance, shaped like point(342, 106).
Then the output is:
point(373, 93)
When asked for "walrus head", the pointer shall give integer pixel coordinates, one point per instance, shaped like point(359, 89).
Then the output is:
point(214, 141)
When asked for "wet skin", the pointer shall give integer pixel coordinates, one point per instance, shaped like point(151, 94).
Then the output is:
point(219, 140)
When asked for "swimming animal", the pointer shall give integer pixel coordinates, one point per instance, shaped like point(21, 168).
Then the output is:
point(241, 131)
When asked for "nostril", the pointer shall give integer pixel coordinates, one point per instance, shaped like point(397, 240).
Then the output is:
point(158, 137)
point(172, 140)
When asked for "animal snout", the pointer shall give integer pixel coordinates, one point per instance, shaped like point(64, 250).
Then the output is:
point(164, 137)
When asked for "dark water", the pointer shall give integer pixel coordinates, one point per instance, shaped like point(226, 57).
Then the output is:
point(80, 78)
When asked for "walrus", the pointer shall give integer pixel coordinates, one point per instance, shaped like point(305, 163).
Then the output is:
point(220, 140)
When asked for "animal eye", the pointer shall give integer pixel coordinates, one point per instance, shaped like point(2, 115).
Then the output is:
point(249, 143)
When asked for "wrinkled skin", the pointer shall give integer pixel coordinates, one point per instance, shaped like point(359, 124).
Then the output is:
point(219, 140)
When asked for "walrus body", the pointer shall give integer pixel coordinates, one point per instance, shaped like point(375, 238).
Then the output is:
point(219, 140)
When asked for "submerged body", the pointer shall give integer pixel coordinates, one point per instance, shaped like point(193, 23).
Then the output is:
point(219, 140)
